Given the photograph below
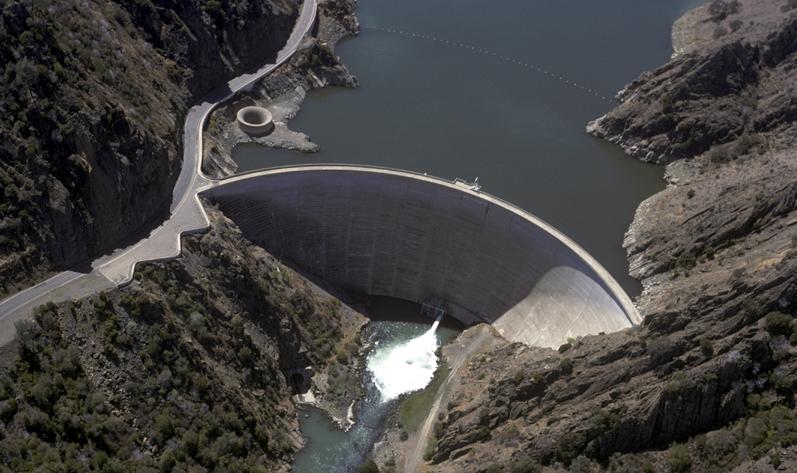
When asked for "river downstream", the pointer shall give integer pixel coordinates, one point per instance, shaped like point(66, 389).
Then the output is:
point(400, 359)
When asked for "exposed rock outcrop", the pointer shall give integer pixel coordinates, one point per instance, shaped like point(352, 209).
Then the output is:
point(732, 84)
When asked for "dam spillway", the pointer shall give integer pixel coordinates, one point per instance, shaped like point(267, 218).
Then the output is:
point(386, 232)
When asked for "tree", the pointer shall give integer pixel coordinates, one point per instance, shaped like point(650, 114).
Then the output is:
point(369, 467)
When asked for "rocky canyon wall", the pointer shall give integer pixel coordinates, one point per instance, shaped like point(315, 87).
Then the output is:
point(91, 112)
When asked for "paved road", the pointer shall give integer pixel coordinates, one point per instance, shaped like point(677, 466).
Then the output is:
point(187, 214)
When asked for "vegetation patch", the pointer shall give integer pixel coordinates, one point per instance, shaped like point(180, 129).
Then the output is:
point(415, 407)
point(185, 369)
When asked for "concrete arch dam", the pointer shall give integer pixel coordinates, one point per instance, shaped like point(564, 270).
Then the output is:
point(427, 240)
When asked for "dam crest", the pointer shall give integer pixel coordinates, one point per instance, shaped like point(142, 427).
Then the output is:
point(387, 232)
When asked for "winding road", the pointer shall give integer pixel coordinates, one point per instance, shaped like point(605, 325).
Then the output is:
point(186, 212)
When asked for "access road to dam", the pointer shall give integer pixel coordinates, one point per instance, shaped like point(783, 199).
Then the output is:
point(186, 212)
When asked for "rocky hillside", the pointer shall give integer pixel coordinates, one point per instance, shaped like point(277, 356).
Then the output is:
point(731, 84)
point(189, 368)
point(708, 382)
point(92, 102)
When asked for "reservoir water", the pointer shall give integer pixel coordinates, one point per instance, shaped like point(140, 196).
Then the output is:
point(429, 106)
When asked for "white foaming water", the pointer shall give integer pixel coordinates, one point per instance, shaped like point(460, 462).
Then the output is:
point(404, 367)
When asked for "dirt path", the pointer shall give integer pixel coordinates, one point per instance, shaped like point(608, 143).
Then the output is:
point(473, 342)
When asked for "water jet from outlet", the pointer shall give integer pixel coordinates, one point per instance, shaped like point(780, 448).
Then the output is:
point(405, 367)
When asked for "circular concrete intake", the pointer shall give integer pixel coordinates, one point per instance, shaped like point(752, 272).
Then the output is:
point(255, 120)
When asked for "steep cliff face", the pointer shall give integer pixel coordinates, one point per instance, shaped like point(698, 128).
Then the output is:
point(91, 109)
point(692, 370)
point(189, 368)
point(215, 39)
point(708, 381)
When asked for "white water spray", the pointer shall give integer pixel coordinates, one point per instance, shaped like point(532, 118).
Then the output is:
point(405, 367)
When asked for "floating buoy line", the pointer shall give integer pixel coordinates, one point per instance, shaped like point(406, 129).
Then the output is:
point(487, 52)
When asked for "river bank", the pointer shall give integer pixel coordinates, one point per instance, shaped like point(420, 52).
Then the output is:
point(406, 453)
point(393, 324)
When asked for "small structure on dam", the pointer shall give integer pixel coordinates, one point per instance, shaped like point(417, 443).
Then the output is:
point(424, 239)
point(254, 120)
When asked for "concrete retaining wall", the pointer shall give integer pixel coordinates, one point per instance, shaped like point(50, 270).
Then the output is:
point(392, 233)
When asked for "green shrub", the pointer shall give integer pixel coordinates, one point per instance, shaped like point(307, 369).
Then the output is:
point(569, 446)
point(778, 323)
point(566, 366)
point(143, 307)
point(8, 409)
point(582, 464)
point(746, 142)
point(679, 383)
point(667, 103)
point(164, 424)
point(518, 376)
point(679, 459)
point(438, 429)
point(783, 383)
point(428, 452)
point(238, 327)
point(525, 465)
point(756, 432)
point(245, 355)
point(706, 346)
point(369, 467)
point(603, 421)
point(686, 260)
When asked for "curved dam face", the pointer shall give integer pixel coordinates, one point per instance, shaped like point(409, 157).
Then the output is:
point(427, 240)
